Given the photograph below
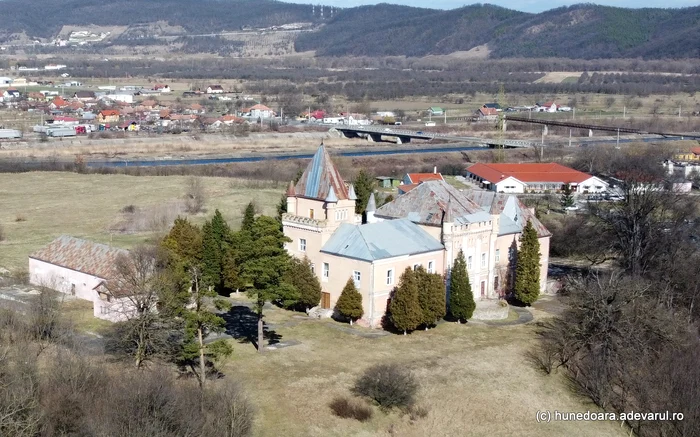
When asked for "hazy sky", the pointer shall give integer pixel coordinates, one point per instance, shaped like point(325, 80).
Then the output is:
point(521, 5)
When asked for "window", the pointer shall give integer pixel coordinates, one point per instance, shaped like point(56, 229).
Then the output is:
point(313, 268)
point(302, 244)
point(483, 260)
point(431, 266)
point(390, 277)
point(356, 276)
point(311, 213)
point(326, 271)
point(498, 255)
point(415, 266)
point(469, 263)
point(103, 310)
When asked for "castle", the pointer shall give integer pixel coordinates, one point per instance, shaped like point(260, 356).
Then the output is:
point(428, 226)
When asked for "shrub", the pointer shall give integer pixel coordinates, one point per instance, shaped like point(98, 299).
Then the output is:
point(129, 209)
point(389, 385)
point(417, 412)
point(20, 218)
point(195, 196)
point(351, 409)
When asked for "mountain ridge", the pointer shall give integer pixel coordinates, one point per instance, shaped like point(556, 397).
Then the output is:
point(583, 31)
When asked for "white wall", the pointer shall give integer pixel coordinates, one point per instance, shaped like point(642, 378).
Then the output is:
point(509, 185)
point(62, 279)
point(592, 185)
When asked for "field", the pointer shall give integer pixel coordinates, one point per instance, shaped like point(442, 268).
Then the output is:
point(35, 208)
point(474, 378)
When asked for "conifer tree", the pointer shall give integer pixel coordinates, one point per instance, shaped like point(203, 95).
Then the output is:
point(527, 267)
point(406, 314)
point(462, 303)
point(567, 196)
point(305, 282)
point(364, 185)
point(264, 264)
point(248, 217)
point(431, 296)
point(349, 303)
point(216, 238)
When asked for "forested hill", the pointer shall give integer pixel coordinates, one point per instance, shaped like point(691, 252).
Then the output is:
point(44, 18)
point(580, 31)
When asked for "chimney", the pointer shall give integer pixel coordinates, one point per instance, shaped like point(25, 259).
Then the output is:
point(435, 169)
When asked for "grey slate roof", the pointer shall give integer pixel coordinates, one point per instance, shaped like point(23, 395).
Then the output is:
point(380, 240)
point(426, 204)
point(513, 213)
point(81, 255)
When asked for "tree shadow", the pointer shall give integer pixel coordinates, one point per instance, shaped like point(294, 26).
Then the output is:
point(242, 324)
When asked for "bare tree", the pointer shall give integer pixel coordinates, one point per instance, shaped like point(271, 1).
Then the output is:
point(195, 196)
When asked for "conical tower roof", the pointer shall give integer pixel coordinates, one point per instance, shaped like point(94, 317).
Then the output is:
point(371, 204)
point(351, 193)
point(320, 176)
point(290, 189)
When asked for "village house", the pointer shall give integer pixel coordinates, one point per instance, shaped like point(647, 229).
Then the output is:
point(5, 81)
point(11, 94)
point(487, 114)
point(162, 88)
point(83, 269)
point(215, 89)
point(84, 95)
point(108, 116)
point(693, 155)
point(546, 107)
point(426, 226)
point(495, 106)
point(258, 111)
point(412, 180)
point(534, 177)
point(436, 110)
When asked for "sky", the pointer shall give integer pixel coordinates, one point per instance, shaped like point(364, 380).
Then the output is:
point(520, 5)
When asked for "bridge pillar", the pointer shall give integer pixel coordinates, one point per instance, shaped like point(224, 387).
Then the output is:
point(403, 140)
point(545, 130)
point(374, 138)
point(590, 132)
point(504, 125)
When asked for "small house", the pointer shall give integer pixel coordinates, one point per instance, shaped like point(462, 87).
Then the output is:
point(215, 89)
point(436, 110)
point(108, 116)
point(84, 95)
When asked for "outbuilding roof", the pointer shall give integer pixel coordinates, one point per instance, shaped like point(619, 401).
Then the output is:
point(381, 240)
point(80, 255)
point(528, 172)
point(417, 178)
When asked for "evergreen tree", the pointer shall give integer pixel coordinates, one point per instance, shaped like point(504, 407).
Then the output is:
point(527, 267)
point(303, 279)
point(462, 303)
point(406, 314)
point(567, 196)
point(349, 303)
point(248, 217)
point(282, 207)
point(216, 239)
point(264, 263)
point(431, 296)
point(364, 185)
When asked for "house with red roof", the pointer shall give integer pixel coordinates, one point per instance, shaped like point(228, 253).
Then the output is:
point(417, 178)
point(547, 107)
point(534, 177)
point(108, 116)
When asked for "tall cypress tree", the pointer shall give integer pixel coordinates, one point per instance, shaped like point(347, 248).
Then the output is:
point(431, 296)
point(462, 303)
point(216, 239)
point(364, 185)
point(349, 303)
point(406, 314)
point(248, 217)
point(527, 267)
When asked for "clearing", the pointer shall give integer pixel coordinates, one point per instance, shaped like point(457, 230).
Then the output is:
point(40, 206)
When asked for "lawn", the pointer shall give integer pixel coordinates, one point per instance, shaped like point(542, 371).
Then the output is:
point(37, 207)
point(474, 379)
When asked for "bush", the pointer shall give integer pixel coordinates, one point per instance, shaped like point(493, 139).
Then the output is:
point(389, 385)
point(20, 218)
point(195, 197)
point(129, 209)
point(417, 412)
point(351, 409)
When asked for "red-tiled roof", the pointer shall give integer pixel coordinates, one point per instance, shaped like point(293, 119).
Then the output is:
point(260, 107)
point(109, 112)
point(695, 150)
point(405, 188)
point(488, 111)
point(528, 172)
point(417, 178)
point(80, 255)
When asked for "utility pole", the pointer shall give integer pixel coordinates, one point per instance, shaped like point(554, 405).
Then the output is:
point(445, 114)
point(618, 138)
point(679, 111)
point(624, 112)
point(574, 112)
point(569, 137)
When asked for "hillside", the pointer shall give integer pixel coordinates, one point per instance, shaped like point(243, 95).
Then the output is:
point(581, 31)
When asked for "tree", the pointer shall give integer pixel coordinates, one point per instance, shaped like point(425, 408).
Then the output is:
point(406, 314)
point(195, 196)
point(216, 238)
point(431, 296)
point(364, 186)
point(462, 303)
point(248, 217)
point(349, 303)
point(263, 267)
point(567, 196)
point(527, 267)
point(305, 282)
point(145, 333)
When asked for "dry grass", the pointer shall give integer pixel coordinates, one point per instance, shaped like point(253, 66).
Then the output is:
point(474, 380)
point(86, 206)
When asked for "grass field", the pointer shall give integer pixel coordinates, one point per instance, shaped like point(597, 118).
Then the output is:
point(474, 379)
point(37, 207)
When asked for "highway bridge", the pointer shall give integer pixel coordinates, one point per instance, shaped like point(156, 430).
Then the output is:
point(402, 136)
